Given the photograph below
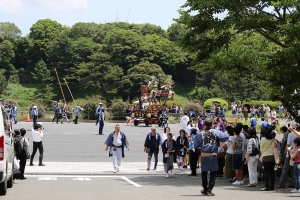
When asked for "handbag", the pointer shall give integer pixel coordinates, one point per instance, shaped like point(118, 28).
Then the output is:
point(221, 154)
point(276, 155)
point(26, 151)
point(255, 150)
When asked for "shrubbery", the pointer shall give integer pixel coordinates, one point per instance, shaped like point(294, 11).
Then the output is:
point(256, 104)
point(170, 103)
point(117, 110)
point(208, 102)
point(196, 107)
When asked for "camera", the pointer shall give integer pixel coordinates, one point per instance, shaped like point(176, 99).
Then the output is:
point(37, 126)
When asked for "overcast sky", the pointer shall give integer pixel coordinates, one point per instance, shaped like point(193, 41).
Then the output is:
point(24, 13)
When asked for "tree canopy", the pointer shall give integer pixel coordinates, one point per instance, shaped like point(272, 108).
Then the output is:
point(256, 37)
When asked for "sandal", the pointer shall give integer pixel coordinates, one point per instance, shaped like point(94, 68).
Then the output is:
point(210, 194)
point(249, 185)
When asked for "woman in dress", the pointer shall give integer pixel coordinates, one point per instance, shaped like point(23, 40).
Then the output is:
point(169, 154)
point(182, 146)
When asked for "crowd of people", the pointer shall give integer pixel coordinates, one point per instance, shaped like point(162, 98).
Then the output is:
point(245, 152)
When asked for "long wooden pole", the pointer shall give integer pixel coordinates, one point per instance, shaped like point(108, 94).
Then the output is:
point(69, 89)
point(60, 85)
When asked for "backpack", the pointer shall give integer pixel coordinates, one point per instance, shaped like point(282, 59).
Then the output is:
point(18, 145)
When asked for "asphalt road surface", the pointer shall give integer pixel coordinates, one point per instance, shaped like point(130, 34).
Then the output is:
point(82, 143)
point(132, 187)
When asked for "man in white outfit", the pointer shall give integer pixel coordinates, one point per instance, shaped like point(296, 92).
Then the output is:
point(184, 121)
point(116, 142)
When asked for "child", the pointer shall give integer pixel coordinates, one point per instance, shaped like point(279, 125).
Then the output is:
point(296, 157)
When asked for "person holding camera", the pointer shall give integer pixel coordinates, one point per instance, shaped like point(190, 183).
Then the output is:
point(37, 136)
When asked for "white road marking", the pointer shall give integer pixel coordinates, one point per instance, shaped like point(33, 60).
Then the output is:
point(47, 178)
point(131, 182)
point(71, 133)
point(83, 178)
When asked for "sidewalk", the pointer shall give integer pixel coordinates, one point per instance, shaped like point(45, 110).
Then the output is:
point(97, 168)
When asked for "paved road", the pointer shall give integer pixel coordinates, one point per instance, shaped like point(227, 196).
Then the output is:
point(132, 187)
point(81, 143)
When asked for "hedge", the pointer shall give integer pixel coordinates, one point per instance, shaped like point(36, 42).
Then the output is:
point(208, 102)
point(196, 107)
point(256, 104)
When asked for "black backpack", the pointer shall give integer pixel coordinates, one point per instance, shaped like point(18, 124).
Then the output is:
point(18, 145)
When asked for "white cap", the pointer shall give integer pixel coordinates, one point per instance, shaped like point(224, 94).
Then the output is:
point(34, 106)
point(100, 103)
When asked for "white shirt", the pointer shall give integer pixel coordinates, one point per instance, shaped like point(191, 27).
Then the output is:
point(164, 137)
point(244, 141)
point(37, 136)
point(229, 146)
point(273, 114)
point(117, 139)
point(268, 110)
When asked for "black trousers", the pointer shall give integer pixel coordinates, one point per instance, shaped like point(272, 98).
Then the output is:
point(221, 165)
point(208, 186)
point(55, 117)
point(37, 146)
point(269, 174)
point(22, 166)
point(193, 161)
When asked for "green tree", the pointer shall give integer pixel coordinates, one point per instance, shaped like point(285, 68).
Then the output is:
point(213, 25)
point(7, 55)
point(3, 81)
point(41, 75)
point(10, 30)
point(43, 32)
point(137, 76)
point(176, 32)
point(100, 76)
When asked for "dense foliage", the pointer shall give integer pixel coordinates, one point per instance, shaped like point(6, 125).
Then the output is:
point(254, 37)
point(111, 60)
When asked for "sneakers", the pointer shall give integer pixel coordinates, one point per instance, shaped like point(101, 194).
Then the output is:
point(181, 168)
point(155, 169)
point(118, 169)
point(171, 172)
point(295, 191)
point(167, 175)
point(236, 183)
point(115, 170)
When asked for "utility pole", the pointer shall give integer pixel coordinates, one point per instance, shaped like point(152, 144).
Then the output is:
point(117, 16)
point(60, 85)
point(128, 16)
point(69, 89)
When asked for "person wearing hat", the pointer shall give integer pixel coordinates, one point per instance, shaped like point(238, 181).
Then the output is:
point(77, 109)
point(25, 145)
point(169, 154)
point(116, 142)
point(99, 109)
point(209, 141)
point(14, 111)
point(34, 114)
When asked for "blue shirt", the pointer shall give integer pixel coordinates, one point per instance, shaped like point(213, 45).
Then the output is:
point(209, 142)
point(253, 123)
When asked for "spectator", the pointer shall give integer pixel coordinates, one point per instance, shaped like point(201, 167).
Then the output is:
point(229, 173)
point(295, 155)
point(252, 159)
point(237, 156)
point(267, 157)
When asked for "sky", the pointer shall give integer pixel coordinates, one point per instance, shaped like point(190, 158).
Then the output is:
point(24, 13)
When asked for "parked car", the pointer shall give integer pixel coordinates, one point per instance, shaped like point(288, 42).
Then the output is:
point(6, 152)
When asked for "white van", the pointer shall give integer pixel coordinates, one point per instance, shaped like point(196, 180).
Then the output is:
point(6, 152)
